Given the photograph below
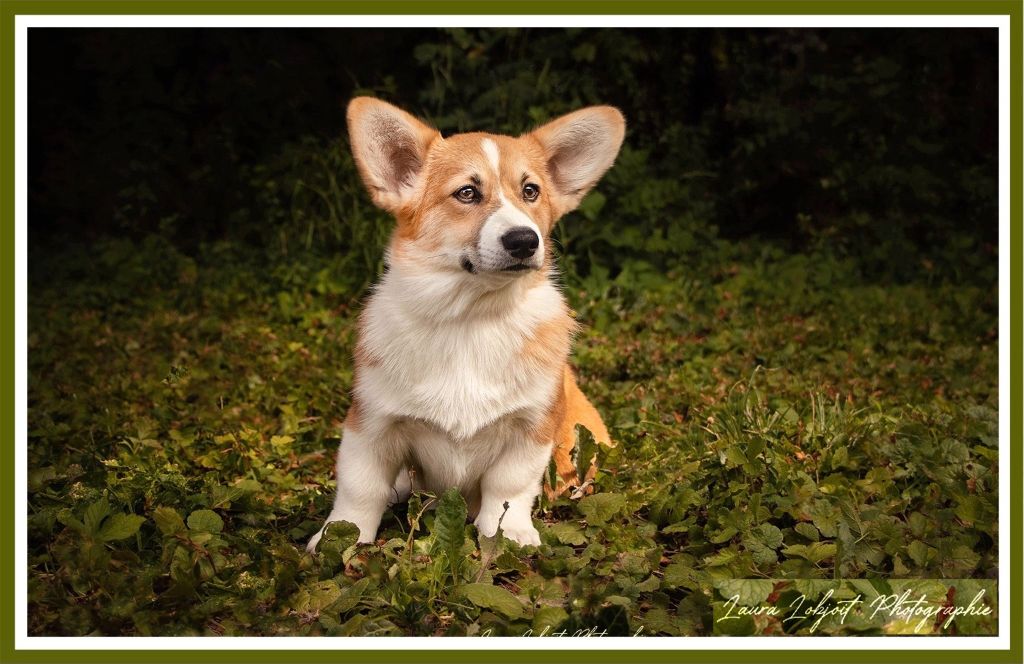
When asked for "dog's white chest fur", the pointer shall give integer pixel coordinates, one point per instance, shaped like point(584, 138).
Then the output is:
point(458, 372)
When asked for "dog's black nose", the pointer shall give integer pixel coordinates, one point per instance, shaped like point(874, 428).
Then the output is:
point(521, 242)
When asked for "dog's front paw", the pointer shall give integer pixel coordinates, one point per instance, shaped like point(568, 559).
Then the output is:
point(520, 535)
point(314, 540)
point(519, 530)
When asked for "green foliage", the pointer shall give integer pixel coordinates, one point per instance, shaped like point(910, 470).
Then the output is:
point(600, 507)
point(450, 531)
point(777, 416)
point(487, 596)
point(310, 198)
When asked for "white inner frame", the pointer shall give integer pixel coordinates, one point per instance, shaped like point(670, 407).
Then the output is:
point(25, 642)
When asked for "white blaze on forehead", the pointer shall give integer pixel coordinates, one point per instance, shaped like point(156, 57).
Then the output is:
point(491, 150)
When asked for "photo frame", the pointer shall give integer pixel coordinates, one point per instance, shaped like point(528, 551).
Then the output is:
point(20, 18)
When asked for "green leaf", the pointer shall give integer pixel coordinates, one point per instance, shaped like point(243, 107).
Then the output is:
point(120, 526)
point(962, 560)
point(552, 475)
point(316, 598)
point(824, 517)
point(681, 575)
point(761, 555)
point(67, 517)
point(969, 509)
point(548, 617)
point(450, 529)
point(722, 558)
point(281, 443)
point(921, 553)
point(768, 535)
point(658, 621)
point(206, 521)
point(351, 596)
point(733, 456)
point(733, 625)
point(840, 457)
point(677, 527)
point(248, 486)
point(762, 541)
point(584, 450)
point(341, 534)
point(600, 507)
point(168, 520)
point(815, 552)
point(495, 598)
point(507, 561)
point(750, 591)
point(723, 535)
point(337, 538)
point(813, 588)
point(567, 533)
point(807, 530)
point(415, 510)
point(919, 524)
point(94, 515)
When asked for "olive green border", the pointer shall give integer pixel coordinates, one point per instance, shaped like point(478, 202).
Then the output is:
point(715, 653)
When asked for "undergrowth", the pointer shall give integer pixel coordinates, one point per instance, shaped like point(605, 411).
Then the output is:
point(778, 416)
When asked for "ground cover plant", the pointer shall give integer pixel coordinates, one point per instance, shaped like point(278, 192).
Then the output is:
point(775, 418)
point(795, 402)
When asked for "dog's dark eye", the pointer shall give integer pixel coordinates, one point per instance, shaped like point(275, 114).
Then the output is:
point(467, 194)
point(531, 191)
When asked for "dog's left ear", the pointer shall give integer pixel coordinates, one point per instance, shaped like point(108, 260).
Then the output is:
point(579, 148)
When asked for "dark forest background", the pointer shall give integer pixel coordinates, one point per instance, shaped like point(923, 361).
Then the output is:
point(878, 144)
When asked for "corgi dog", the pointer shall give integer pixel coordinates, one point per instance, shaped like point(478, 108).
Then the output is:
point(461, 363)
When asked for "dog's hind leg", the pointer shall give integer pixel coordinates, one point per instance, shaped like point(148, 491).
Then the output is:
point(405, 484)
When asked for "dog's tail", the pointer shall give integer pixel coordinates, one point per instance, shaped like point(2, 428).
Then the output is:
point(578, 411)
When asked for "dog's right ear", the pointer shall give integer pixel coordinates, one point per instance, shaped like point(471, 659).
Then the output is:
point(390, 148)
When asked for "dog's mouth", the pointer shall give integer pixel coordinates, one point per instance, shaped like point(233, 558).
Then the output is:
point(468, 266)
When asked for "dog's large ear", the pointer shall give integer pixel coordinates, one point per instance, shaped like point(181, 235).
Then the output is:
point(579, 148)
point(390, 149)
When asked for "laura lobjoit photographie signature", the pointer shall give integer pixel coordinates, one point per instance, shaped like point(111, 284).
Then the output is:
point(906, 606)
